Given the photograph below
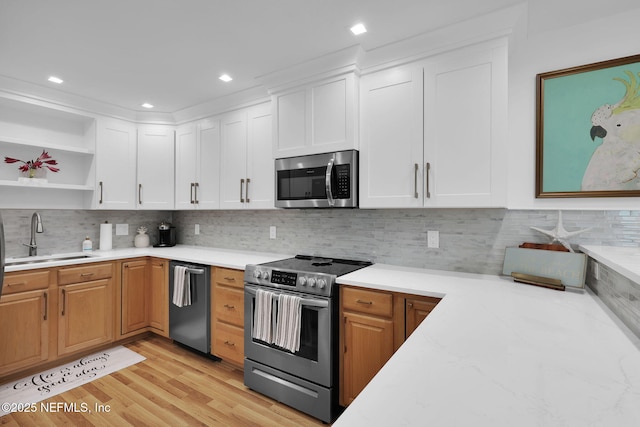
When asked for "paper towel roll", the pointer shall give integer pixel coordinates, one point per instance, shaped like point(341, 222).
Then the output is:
point(106, 236)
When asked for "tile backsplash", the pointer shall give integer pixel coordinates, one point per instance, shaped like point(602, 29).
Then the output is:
point(471, 240)
point(64, 230)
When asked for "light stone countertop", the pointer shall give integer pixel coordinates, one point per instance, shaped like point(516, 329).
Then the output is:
point(624, 260)
point(492, 353)
point(499, 353)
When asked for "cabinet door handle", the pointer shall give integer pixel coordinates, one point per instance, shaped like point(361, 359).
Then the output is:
point(191, 193)
point(241, 185)
point(229, 343)
point(64, 300)
point(410, 305)
point(101, 187)
point(248, 181)
point(229, 307)
point(426, 172)
point(359, 301)
point(415, 181)
point(46, 305)
point(195, 193)
point(139, 194)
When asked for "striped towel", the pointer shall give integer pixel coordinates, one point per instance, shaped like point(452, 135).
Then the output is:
point(289, 322)
point(262, 327)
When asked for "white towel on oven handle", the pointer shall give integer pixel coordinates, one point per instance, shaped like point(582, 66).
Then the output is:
point(262, 323)
point(181, 286)
point(289, 322)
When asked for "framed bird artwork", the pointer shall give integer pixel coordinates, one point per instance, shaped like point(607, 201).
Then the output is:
point(588, 130)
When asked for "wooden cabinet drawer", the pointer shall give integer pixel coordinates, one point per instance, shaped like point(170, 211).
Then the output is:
point(229, 305)
point(84, 273)
point(229, 277)
point(229, 343)
point(25, 281)
point(367, 301)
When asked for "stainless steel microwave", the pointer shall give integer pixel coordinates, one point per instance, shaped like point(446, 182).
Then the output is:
point(328, 180)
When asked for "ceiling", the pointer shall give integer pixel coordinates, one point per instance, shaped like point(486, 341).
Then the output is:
point(170, 53)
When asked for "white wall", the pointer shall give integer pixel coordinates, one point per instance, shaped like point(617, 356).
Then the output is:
point(556, 35)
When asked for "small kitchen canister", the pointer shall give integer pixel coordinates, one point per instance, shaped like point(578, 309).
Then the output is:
point(142, 238)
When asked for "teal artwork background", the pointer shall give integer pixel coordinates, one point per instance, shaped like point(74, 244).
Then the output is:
point(569, 102)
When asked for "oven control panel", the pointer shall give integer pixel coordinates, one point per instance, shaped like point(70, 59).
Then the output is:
point(311, 283)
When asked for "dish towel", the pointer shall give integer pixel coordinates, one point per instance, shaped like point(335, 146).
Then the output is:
point(289, 322)
point(181, 286)
point(262, 325)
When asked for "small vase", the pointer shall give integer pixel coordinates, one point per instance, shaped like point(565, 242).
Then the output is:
point(141, 240)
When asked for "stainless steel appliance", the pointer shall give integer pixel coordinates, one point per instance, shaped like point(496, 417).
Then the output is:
point(166, 235)
point(190, 324)
point(3, 254)
point(327, 180)
point(306, 379)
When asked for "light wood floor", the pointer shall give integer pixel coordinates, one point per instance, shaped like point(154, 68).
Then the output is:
point(172, 387)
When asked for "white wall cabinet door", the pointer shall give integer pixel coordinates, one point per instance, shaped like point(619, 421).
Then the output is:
point(115, 165)
point(465, 123)
point(156, 181)
point(260, 163)
point(186, 165)
point(198, 165)
point(317, 118)
point(233, 165)
point(391, 149)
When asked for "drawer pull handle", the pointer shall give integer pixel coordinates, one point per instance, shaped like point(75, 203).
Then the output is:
point(16, 284)
point(229, 343)
point(359, 301)
point(87, 274)
point(231, 279)
point(230, 307)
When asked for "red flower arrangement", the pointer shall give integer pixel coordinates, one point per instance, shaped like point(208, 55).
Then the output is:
point(44, 160)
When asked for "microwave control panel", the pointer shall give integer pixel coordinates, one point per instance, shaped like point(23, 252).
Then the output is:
point(343, 175)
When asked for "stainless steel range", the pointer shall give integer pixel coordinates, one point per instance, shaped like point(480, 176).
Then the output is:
point(291, 331)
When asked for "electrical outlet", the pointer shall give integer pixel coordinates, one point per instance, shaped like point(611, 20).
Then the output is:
point(272, 232)
point(433, 239)
point(596, 270)
point(122, 229)
point(196, 231)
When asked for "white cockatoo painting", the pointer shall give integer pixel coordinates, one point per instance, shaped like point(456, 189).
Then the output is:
point(615, 164)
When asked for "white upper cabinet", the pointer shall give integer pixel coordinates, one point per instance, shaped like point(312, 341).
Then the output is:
point(156, 167)
point(115, 165)
point(391, 152)
point(433, 133)
point(465, 126)
point(316, 118)
point(197, 180)
point(246, 179)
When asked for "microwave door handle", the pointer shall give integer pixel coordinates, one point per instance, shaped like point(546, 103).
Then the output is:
point(327, 181)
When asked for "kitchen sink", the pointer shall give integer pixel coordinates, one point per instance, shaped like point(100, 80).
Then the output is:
point(47, 258)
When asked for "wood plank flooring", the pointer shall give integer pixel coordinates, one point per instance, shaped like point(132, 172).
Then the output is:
point(172, 387)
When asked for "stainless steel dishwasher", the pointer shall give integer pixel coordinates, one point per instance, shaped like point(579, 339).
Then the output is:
point(190, 324)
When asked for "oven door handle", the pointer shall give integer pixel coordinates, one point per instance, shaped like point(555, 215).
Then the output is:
point(327, 181)
point(308, 302)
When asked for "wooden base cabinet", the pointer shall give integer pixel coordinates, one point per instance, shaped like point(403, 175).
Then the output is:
point(134, 288)
point(24, 315)
point(159, 296)
point(374, 325)
point(227, 315)
point(85, 307)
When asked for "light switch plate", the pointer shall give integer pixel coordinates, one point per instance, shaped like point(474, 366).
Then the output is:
point(196, 230)
point(433, 239)
point(122, 229)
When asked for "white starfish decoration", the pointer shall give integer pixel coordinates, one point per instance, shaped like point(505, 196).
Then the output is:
point(560, 234)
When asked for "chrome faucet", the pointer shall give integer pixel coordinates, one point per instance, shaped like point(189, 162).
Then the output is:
point(36, 227)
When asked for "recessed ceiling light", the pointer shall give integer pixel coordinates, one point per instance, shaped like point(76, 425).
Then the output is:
point(147, 105)
point(225, 78)
point(54, 79)
point(358, 29)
